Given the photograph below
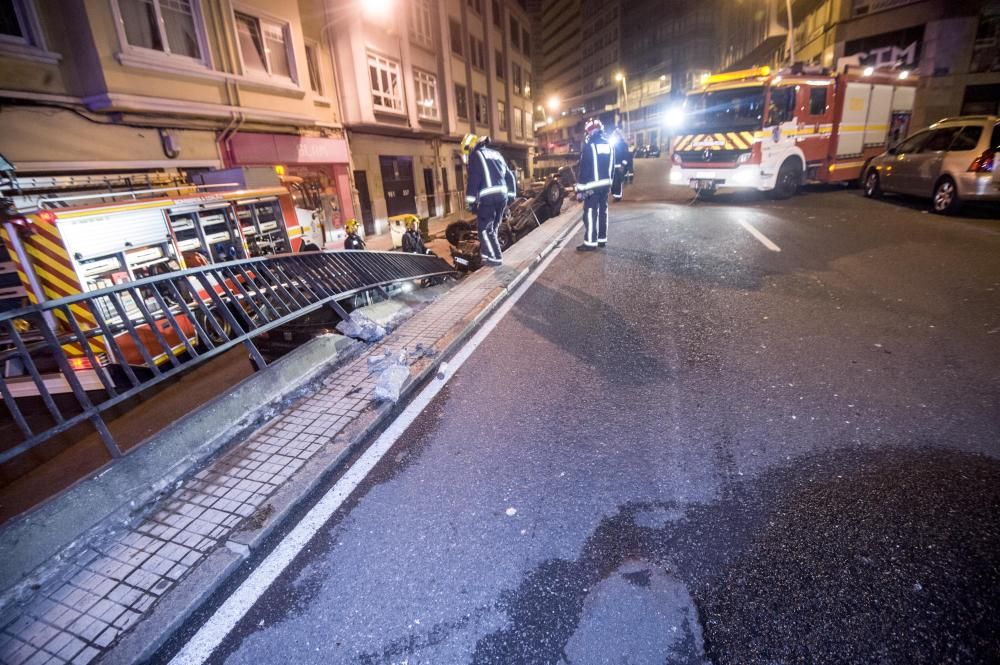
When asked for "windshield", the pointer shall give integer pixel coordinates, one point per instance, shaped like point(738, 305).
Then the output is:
point(725, 110)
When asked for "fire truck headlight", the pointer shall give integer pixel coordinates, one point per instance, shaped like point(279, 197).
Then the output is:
point(744, 177)
point(674, 118)
point(676, 177)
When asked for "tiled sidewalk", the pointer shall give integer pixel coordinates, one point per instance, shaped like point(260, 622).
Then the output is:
point(109, 587)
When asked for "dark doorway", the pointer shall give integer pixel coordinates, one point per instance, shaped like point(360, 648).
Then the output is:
point(397, 181)
point(444, 188)
point(365, 201)
point(432, 209)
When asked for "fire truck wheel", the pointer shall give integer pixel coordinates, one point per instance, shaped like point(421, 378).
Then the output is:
point(946, 201)
point(789, 179)
point(873, 188)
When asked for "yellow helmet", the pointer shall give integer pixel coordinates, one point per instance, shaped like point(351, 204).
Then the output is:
point(412, 222)
point(469, 144)
point(351, 226)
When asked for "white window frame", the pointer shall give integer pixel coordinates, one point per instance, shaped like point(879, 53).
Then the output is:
point(518, 123)
point(425, 85)
point(32, 45)
point(502, 115)
point(391, 66)
point(313, 45)
point(130, 54)
point(286, 29)
point(422, 22)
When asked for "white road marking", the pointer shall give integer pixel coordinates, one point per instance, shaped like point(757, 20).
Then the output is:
point(201, 646)
point(764, 240)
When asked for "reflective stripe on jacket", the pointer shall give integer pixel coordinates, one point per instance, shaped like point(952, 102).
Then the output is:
point(489, 177)
point(597, 163)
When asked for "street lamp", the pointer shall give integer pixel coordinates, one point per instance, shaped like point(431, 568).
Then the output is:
point(377, 9)
point(620, 77)
point(553, 103)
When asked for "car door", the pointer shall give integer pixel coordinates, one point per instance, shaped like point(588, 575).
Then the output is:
point(923, 166)
point(896, 162)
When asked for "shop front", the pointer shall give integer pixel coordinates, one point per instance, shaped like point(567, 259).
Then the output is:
point(314, 169)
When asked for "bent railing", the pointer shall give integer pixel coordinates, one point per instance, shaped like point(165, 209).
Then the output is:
point(108, 346)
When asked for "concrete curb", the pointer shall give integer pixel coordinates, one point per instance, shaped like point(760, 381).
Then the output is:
point(184, 600)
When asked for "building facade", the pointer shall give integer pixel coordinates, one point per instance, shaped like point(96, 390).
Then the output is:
point(102, 94)
point(415, 82)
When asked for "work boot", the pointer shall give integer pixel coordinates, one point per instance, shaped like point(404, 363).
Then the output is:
point(585, 248)
point(493, 262)
point(602, 243)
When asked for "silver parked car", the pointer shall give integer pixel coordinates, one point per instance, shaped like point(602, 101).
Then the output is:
point(952, 161)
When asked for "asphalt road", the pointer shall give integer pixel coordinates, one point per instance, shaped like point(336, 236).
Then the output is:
point(691, 448)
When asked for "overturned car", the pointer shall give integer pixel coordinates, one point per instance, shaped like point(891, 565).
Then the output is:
point(541, 201)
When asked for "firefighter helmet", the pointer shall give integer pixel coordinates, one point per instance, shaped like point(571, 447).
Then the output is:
point(351, 226)
point(412, 223)
point(469, 143)
point(593, 126)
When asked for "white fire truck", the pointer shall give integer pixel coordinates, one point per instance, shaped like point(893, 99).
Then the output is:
point(772, 131)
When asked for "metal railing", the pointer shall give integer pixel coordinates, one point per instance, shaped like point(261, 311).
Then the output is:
point(110, 345)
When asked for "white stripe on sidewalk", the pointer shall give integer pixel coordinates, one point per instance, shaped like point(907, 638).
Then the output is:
point(201, 646)
point(764, 240)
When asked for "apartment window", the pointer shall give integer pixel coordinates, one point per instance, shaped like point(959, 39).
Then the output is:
point(515, 33)
point(477, 53)
point(455, 32)
point(502, 116)
point(475, 5)
point(482, 110)
point(525, 42)
point(461, 102)
point(427, 95)
point(518, 123)
point(312, 62)
point(387, 93)
point(421, 21)
point(169, 26)
point(264, 46)
point(497, 16)
point(501, 70)
point(516, 76)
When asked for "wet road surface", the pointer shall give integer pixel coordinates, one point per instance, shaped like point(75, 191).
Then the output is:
point(691, 448)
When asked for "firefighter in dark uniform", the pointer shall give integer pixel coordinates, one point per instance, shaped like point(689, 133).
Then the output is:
point(597, 163)
point(491, 186)
point(413, 241)
point(353, 239)
point(623, 165)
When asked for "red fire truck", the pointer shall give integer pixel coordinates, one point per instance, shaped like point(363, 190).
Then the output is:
point(86, 243)
point(772, 131)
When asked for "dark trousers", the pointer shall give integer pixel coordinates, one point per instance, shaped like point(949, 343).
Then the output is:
point(595, 217)
point(618, 182)
point(488, 218)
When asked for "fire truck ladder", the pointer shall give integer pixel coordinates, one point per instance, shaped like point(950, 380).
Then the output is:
point(152, 329)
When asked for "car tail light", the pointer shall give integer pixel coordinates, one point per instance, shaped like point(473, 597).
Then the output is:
point(983, 163)
point(677, 158)
point(80, 364)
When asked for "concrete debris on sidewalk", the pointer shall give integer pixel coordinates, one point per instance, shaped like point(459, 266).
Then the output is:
point(361, 327)
point(391, 380)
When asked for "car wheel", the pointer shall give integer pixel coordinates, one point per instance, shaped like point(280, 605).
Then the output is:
point(945, 201)
point(553, 194)
point(456, 230)
point(789, 179)
point(873, 187)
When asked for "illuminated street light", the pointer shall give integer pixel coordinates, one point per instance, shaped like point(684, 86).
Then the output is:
point(377, 9)
point(553, 103)
point(674, 118)
point(868, 71)
point(619, 77)
point(904, 74)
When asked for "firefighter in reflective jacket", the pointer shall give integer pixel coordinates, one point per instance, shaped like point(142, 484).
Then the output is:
point(597, 163)
point(491, 187)
point(623, 164)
